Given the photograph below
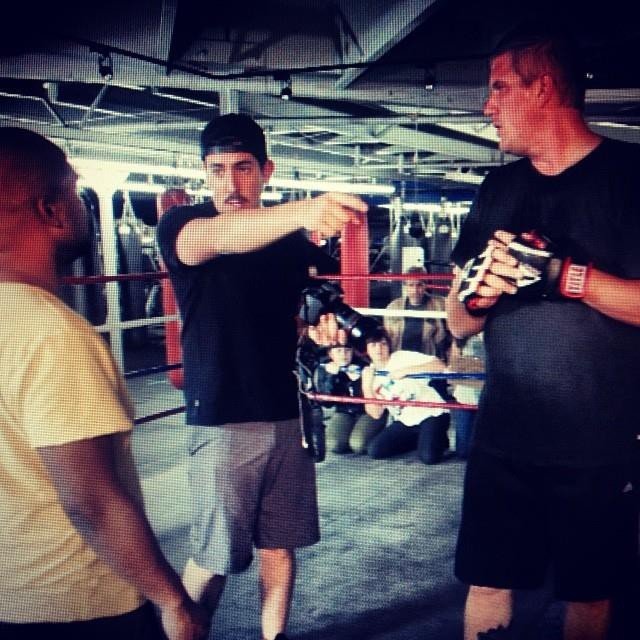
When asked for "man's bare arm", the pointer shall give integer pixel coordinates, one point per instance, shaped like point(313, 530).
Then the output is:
point(85, 475)
point(614, 297)
point(460, 323)
point(248, 230)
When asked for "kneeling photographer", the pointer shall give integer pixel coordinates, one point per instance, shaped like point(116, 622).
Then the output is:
point(330, 321)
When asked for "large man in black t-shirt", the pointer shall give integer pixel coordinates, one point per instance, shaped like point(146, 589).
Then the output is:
point(238, 271)
point(549, 482)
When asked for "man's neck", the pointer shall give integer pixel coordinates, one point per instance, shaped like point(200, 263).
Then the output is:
point(565, 140)
point(47, 279)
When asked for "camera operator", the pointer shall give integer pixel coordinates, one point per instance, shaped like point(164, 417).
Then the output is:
point(238, 271)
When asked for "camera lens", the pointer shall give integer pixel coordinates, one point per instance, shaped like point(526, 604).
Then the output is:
point(355, 324)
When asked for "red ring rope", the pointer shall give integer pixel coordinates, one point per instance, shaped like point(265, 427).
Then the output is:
point(160, 275)
point(321, 397)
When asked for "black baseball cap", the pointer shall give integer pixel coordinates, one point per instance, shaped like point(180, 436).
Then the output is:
point(234, 132)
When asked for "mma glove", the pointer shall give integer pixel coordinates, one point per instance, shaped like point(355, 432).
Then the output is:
point(546, 270)
point(472, 277)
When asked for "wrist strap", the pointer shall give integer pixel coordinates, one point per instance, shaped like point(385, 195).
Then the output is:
point(573, 279)
point(473, 310)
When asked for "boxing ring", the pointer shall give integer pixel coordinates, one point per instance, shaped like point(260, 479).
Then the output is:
point(354, 278)
point(375, 535)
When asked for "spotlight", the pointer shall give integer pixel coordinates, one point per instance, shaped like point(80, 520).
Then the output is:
point(105, 66)
point(429, 80)
point(286, 93)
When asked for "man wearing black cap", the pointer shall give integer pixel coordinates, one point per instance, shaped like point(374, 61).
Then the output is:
point(550, 269)
point(238, 271)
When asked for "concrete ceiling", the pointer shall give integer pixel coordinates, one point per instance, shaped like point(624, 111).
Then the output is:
point(382, 90)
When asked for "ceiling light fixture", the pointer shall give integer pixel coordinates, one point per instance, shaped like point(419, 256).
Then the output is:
point(286, 93)
point(284, 78)
point(429, 80)
point(105, 66)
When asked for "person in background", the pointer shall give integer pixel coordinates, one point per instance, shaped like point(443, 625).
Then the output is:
point(466, 356)
point(348, 427)
point(409, 428)
point(429, 336)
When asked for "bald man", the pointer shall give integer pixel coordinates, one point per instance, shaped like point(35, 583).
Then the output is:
point(78, 558)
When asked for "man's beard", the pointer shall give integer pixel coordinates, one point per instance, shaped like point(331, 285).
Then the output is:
point(71, 251)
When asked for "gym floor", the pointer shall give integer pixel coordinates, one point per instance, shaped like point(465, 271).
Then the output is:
point(384, 567)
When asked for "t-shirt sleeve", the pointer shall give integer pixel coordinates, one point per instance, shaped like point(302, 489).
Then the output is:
point(467, 245)
point(476, 230)
point(72, 391)
point(167, 231)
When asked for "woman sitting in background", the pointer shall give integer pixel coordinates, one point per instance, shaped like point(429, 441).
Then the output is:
point(411, 428)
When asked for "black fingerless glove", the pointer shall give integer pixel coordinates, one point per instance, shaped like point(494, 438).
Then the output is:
point(546, 269)
point(472, 277)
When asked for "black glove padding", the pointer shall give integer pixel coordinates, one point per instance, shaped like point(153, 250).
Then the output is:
point(311, 416)
point(472, 277)
point(545, 270)
point(312, 425)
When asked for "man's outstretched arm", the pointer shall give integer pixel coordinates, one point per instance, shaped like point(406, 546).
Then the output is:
point(248, 230)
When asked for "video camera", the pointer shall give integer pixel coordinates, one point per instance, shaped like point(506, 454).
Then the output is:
point(317, 300)
point(326, 297)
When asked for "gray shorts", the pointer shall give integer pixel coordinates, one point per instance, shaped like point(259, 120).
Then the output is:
point(251, 484)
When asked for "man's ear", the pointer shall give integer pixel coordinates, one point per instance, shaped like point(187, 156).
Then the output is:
point(267, 170)
point(48, 212)
point(546, 88)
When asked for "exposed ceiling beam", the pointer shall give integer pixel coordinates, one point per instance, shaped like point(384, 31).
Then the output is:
point(161, 47)
point(434, 142)
point(408, 137)
point(78, 64)
point(379, 35)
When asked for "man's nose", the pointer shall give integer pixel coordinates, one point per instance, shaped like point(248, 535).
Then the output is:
point(230, 181)
point(488, 108)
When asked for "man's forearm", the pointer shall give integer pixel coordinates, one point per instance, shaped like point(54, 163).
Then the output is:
point(205, 238)
point(614, 297)
point(460, 323)
point(121, 536)
point(248, 230)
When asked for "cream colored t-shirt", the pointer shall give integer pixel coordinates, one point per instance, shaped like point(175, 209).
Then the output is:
point(58, 384)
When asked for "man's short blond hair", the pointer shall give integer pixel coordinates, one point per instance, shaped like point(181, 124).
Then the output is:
point(536, 51)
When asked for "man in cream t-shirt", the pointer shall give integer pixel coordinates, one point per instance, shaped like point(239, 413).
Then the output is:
point(77, 556)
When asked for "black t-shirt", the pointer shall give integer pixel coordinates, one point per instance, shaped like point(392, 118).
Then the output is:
point(239, 331)
point(561, 376)
point(413, 329)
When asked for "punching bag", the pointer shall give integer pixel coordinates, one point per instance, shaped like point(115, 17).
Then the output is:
point(173, 347)
point(354, 259)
